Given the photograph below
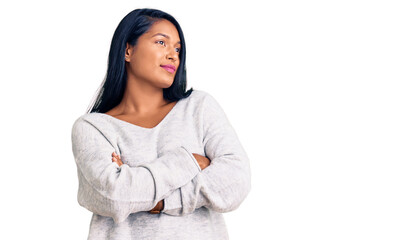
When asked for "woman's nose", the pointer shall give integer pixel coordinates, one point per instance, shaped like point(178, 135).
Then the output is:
point(172, 54)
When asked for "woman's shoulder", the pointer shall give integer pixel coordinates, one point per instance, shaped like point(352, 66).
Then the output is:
point(93, 126)
point(89, 117)
point(201, 99)
point(91, 120)
point(200, 95)
point(205, 98)
point(197, 94)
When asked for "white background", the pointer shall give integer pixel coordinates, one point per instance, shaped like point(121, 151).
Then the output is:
point(317, 91)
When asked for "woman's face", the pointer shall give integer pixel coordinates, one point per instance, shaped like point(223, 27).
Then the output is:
point(157, 47)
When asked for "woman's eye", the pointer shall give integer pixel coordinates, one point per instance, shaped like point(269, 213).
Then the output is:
point(178, 49)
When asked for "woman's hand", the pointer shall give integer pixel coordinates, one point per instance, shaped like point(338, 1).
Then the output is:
point(116, 158)
point(158, 208)
point(203, 161)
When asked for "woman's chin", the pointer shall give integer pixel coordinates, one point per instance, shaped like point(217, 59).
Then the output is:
point(166, 84)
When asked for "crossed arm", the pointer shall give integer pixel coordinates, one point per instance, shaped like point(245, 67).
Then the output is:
point(201, 160)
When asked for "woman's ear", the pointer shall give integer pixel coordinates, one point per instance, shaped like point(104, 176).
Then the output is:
point(128, 52)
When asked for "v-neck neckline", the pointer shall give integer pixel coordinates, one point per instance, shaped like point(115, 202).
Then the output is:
point(145, 128)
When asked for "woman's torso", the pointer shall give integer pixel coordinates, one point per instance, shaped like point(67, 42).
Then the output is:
point(137, 145)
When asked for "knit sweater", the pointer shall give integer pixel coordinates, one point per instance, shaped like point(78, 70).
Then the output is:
point(158, 164)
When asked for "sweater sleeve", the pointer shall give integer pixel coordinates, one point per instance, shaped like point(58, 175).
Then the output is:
point(109, 190)
point(226, 182)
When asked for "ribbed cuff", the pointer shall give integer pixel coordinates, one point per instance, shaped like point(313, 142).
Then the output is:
point(173, 203)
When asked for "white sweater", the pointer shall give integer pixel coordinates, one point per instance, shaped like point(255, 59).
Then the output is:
point(158, 164)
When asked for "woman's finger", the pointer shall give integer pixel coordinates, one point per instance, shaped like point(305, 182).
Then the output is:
point(116, 155)
point(118, 161)
point(116, 158)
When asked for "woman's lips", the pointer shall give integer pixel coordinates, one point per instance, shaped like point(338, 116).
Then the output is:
point(169, 69)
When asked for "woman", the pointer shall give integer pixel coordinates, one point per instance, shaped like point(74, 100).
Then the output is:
point(155, 161)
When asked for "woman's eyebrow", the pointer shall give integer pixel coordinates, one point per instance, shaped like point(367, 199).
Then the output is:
point(162, 34)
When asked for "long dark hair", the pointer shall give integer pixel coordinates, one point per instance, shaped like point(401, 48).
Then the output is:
point(131, 27)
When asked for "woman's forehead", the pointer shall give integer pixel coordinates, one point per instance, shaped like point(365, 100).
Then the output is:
point(165, 29)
